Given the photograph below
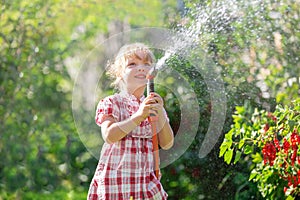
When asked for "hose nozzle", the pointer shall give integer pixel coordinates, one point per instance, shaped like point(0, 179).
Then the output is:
point(152, 73)
point(150, 76)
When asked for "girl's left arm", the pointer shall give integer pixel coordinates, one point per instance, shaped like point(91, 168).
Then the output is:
point(165, 132)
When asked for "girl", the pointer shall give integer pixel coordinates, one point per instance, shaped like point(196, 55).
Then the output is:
point(126, 166)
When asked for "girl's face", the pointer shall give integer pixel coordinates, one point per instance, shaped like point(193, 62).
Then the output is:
point(136, 69)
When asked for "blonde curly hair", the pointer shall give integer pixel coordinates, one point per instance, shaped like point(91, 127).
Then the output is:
point(115, 68)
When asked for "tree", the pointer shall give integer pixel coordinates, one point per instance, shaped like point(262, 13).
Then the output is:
point(40, 148)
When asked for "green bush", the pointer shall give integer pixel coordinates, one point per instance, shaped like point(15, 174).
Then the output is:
point(271, 141)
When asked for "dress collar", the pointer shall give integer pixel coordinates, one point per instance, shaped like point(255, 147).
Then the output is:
point(131, 97)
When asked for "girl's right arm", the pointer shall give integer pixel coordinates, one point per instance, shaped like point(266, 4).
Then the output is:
point(113, 131)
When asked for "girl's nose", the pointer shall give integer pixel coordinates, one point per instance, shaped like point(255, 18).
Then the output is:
point(141, 68)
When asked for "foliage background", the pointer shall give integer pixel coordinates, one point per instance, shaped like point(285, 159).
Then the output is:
point(42, 46)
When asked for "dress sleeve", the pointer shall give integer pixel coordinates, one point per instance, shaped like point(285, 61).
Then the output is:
point(106, 108)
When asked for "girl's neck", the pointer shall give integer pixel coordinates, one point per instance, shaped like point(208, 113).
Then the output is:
point(138, 93)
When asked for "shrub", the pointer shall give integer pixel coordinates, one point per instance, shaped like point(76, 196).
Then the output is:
point(270, 140)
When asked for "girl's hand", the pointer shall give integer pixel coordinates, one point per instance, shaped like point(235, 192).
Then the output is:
point(157, 105)
point(152, 104)
point(144, 109)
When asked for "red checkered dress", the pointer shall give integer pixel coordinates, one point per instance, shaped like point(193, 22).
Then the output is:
point(125, 168)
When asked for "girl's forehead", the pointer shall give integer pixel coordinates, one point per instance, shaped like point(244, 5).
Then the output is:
point(140, 54)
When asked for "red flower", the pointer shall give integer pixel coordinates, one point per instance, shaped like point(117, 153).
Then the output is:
point(276, 142)
point(295, 131)
point(294, 139)
point(286, 145)
point(266, 128)
point(293, 156)
point(269, 153)
point(285, 189)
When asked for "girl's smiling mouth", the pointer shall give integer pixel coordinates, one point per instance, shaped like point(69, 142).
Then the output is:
point(140, 76)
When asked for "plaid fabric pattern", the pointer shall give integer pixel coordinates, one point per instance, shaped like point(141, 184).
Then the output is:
point(121, 107)
point(125, 168)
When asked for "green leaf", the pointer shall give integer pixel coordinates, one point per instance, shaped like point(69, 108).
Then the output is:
point(226, 143)
point(228, 136)
point(290, 198)
point(237, 120)
point(248, 149)
point(256, 158)
point(223, 148)
point(228, 156)
point(241, 143)
point(291, 124)
point(240, 109)
point(237, 156)
point(253, 174)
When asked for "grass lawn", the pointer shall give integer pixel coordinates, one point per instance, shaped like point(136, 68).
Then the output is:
point(56, 195)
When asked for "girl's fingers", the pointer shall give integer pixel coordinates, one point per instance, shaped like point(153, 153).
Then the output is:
point(157, 98)
point(153, 111)
point(157, 108)
point(150, 101)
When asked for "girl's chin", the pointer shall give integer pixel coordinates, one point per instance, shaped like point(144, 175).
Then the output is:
point(140, 79)
point(141, 82)
point(139, 86)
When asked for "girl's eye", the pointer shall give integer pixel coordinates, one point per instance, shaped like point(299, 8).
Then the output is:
point(131, 64)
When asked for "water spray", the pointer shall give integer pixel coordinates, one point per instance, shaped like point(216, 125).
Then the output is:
point(154, 70)
point(176, 44)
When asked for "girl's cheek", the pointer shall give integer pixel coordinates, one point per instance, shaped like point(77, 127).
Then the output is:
point(147, 70)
